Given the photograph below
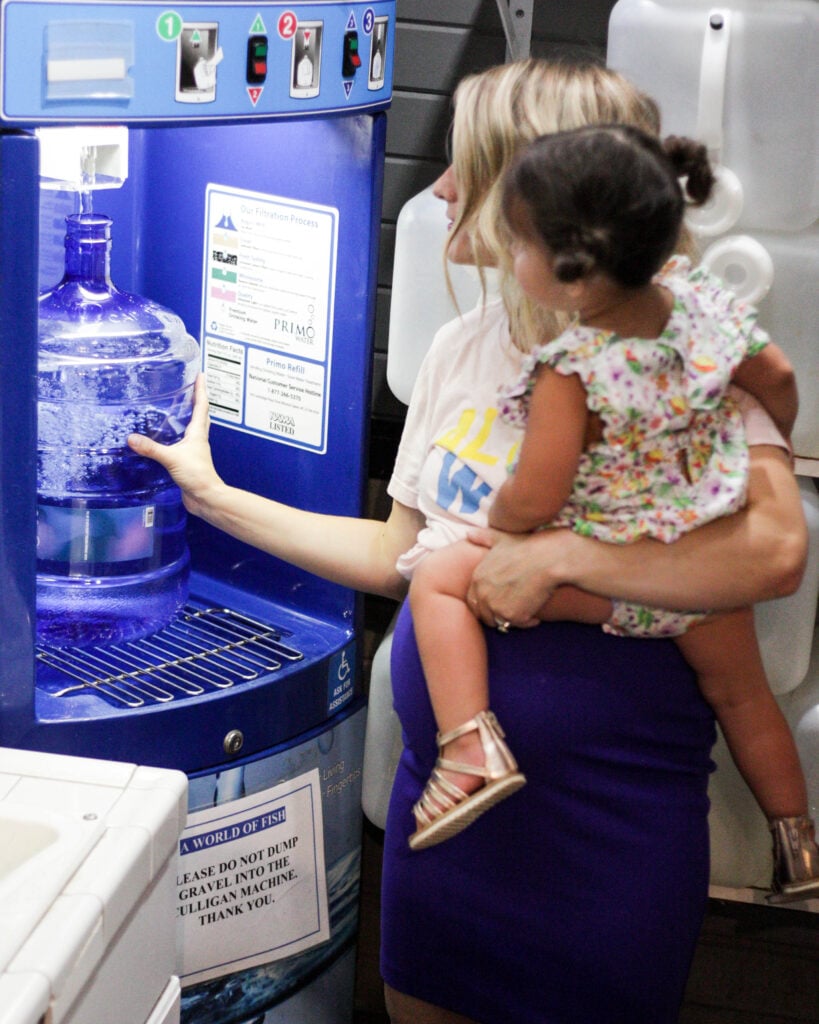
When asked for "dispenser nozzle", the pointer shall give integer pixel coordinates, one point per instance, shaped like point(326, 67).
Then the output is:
point(83, 159)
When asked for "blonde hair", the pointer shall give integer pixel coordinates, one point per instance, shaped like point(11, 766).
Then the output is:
point(497, 112)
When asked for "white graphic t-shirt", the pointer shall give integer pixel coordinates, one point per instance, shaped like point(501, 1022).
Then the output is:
point(455, 450)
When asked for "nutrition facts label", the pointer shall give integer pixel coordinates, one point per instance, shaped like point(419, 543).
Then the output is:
point(267, 313)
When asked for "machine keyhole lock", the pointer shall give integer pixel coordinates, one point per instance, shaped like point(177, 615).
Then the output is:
point(233, 741)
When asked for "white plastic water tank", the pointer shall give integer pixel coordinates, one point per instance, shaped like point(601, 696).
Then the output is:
point(420, 301)
point(748, 88)
point(788, 310)
point(382, 741)
point(802, 709)
point(785, 626)
point(739, 836)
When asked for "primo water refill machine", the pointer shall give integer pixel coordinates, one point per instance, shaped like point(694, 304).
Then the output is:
point(245, 142)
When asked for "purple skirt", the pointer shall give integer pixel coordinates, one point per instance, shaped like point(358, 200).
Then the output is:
point(579, 899)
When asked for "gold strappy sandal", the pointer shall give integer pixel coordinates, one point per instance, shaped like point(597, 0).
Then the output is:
point(796, 860)
point(444, 809)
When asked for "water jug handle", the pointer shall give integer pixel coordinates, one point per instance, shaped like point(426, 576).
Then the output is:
point(713, 66)
point(725, 206)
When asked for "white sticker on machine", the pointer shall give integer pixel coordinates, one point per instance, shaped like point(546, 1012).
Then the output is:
point(251, 885)
point(267, 302)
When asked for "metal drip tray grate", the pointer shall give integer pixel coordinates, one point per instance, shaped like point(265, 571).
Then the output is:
point(202, 650)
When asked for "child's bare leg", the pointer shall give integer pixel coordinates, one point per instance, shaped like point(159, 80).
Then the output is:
point(724, 652)
point(453, 653)
point(452, 649)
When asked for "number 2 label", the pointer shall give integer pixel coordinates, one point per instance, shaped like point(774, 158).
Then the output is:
point(288, 23)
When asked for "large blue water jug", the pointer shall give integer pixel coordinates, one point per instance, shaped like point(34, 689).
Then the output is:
point(112, 557)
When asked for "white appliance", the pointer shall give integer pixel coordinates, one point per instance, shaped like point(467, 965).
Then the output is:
point(88, 852)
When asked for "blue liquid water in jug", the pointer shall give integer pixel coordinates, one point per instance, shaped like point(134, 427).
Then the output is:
point(112, 556)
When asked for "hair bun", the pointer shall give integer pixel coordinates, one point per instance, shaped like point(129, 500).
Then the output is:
point(690, 161)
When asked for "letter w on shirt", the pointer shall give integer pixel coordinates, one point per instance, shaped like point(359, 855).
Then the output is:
point(464, 482)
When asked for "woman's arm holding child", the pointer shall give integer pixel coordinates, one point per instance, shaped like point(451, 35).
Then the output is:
point(754, 555)
point(770, 378)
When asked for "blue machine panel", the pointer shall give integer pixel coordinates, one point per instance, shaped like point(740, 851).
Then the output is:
point(237, 116)
point(159, 230)
point(283, 146)
point(152, 62)
point(248, 896)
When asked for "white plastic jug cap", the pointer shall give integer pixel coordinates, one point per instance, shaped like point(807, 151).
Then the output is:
point(743, 264)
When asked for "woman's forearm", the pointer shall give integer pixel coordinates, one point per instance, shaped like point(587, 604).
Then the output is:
point(755, 555)
point(358, 553)
point(718, 572)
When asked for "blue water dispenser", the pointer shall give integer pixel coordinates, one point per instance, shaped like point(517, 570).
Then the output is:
point(234, 154)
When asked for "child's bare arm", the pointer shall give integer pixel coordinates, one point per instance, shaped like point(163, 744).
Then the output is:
point(549, 455)
point(770, 378)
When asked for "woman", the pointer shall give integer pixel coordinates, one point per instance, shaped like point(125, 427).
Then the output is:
point(581, 897)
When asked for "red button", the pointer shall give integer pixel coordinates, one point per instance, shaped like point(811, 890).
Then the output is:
point(260, 67)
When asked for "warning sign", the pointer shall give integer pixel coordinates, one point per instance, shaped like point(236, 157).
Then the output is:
point(251, 882)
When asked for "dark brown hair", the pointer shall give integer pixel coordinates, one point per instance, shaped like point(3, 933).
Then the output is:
point(606, 197)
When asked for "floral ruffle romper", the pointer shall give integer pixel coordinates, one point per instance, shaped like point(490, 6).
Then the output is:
point(673, 454)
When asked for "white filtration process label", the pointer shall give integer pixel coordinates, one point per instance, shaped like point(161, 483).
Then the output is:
point(251, 885)
point(267, 313)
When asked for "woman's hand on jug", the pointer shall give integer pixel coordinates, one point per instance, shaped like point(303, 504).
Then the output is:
point(189, 460)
